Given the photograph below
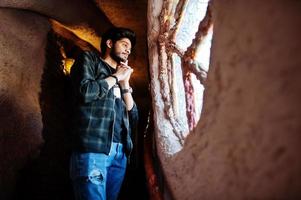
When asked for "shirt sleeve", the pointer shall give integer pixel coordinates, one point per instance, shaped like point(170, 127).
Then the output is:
point(87, 84)
point(133, 117)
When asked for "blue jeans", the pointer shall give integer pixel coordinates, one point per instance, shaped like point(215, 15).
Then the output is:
point(97, 176)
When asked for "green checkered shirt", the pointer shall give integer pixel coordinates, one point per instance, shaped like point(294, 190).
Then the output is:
point(93, 113)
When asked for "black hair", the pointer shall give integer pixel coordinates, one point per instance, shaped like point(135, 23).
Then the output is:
point(116, 34)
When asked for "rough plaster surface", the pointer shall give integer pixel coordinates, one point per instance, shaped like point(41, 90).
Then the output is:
point(247, 142)
point(22, 41)
point(79, 14)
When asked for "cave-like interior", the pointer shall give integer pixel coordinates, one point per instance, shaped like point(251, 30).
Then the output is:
point(217, 84)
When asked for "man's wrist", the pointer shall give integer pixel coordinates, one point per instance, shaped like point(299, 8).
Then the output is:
point(124, 84)
point(126, 90)
point(115, 77)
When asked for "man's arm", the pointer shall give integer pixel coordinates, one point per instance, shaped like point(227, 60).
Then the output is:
point(127, 96)
point(125, 86)
point(86, 85)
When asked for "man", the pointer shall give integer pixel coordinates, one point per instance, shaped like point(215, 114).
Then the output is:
point(104, 115)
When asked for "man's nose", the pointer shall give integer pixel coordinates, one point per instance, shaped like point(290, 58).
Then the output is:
point(128, 51)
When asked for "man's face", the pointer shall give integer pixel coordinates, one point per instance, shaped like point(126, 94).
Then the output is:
point(121, 50)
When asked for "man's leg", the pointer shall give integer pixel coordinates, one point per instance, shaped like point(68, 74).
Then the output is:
point(88, 174)
point(116, 171)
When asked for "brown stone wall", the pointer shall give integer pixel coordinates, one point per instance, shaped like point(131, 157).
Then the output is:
point(247, 144)
point(22, 41)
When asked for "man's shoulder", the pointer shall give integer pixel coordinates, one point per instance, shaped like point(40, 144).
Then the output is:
point(90, 55)
point(86, 59)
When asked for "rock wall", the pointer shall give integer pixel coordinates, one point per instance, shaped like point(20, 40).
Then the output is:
point(247, 142)
point(22, 40)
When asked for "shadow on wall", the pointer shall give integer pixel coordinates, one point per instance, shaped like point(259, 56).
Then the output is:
point(17, 141)
point(47, 176)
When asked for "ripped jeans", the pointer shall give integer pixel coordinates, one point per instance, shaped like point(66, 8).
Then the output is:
point(97, 176)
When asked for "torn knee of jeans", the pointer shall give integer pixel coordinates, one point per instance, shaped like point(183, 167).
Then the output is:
point(96, 176)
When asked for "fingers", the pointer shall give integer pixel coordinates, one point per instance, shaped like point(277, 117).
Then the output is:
point(124, 72)
point(125, 66)
point(124, 63)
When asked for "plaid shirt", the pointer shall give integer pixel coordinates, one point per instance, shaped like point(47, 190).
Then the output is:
point(94, 113)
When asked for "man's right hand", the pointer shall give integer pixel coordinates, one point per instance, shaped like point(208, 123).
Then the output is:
point(123, 72)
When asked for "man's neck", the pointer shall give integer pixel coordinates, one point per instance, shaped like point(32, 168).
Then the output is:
point(110, 61)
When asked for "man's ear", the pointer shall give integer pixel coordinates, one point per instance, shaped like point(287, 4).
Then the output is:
point(109, 43)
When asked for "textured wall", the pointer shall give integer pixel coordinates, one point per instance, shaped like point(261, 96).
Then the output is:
point(66, 12)
point(22, 41)
point(247, 143)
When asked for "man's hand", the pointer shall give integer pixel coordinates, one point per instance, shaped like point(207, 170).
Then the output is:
point(124, 73)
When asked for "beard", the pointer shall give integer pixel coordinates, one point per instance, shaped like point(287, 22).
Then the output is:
point(116, 56)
